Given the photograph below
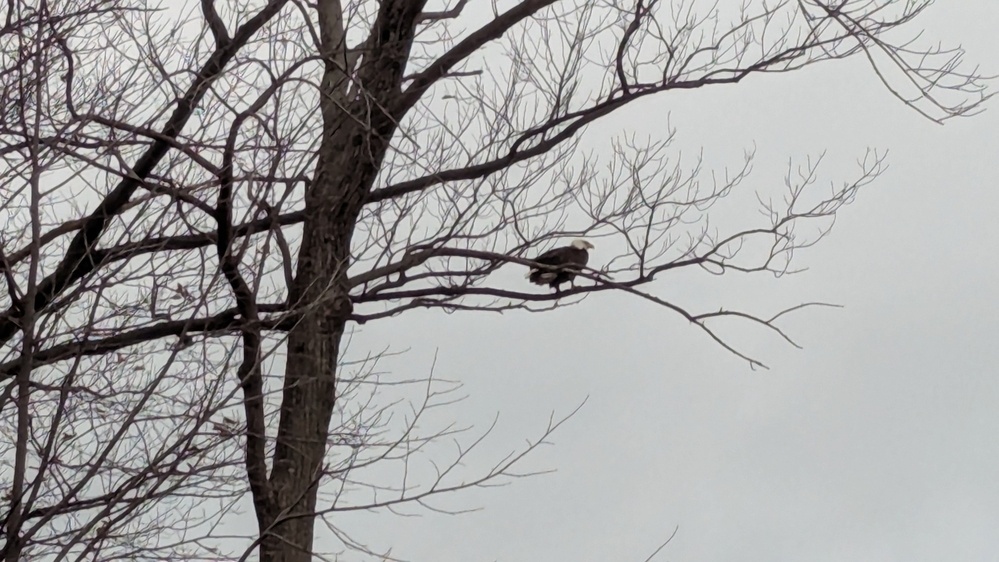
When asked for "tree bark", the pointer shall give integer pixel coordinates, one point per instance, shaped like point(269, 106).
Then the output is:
point(357, 133)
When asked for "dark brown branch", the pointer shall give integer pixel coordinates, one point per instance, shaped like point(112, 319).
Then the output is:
point(444, 14)
point(636, 22)
point(225, 321)
point(10, 281)
point(573, 124)
point(215, 23)
point(195, 241)
point(171, 141)
point(249, 374)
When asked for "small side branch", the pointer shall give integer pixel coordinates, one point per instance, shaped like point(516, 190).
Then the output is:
point(215, 23)
point(450, 13)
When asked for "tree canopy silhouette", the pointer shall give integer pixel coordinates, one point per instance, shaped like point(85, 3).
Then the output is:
point(200, 199)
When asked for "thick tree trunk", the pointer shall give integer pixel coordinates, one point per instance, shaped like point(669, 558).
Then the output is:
point(356, 137)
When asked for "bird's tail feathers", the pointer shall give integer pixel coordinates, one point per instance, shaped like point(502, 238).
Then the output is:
point(540, 277)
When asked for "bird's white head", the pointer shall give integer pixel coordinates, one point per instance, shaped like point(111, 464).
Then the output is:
point(581, 244)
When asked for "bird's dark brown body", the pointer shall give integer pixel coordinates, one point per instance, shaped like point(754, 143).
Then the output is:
point(563, 264)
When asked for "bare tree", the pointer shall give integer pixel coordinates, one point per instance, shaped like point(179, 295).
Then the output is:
point(201, 199)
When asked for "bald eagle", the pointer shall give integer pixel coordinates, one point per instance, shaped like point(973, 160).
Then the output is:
point(565, 263)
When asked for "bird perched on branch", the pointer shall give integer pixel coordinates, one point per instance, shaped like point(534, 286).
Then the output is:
point(563, 264)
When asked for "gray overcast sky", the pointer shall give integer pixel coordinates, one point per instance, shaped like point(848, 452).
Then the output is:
point(876, 442)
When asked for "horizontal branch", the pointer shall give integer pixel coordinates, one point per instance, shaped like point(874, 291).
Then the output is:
point(444, 14)
point(226, 320)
